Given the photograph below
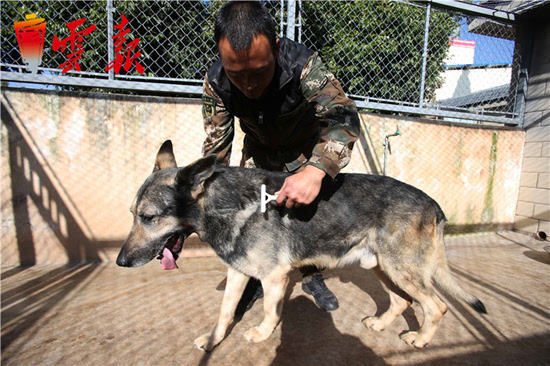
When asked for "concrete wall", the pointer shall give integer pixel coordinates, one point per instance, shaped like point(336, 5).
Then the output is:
point(72, 163)
point(533, 208)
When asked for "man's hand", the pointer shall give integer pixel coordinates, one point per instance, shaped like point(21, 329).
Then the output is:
point(301, 188)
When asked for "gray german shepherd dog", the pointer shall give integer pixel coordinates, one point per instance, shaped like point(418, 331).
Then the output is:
point(375, 221)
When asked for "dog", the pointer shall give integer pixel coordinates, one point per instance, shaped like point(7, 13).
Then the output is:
point(375, 221)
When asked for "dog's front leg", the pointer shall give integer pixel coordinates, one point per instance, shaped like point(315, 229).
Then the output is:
point(274, 290)
point(234, 288)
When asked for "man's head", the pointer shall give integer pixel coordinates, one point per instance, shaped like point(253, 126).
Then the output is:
point(248, 45)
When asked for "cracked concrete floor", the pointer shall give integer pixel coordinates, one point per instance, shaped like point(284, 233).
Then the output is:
point(100, 314)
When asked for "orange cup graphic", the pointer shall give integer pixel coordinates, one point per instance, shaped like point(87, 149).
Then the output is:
point(30, 37)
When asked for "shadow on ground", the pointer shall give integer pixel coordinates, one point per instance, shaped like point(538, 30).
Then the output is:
point(103, 314)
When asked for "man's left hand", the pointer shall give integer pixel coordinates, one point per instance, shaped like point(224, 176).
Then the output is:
point(301, 188)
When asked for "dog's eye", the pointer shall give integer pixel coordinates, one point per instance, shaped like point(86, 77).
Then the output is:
point(147, 218)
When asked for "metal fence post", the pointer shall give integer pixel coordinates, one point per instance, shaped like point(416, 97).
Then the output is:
point(519, 107)
point(290, 19)
point(299, 21)
point(110, 47)
point(424, 56)
point(282, 17)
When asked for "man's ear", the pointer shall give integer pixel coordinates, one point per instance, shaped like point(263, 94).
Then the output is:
point(277, 47)
point(165, 157)
point(196, 174)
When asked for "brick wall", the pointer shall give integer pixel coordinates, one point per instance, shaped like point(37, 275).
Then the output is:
point(533, 209)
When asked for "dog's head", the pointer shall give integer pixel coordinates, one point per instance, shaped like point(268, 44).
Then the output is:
point(165, 210)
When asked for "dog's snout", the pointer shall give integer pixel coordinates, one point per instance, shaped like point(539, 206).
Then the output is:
point(122, 259)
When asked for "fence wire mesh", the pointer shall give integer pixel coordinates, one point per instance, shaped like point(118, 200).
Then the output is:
point(375, 49)
point(389, 55)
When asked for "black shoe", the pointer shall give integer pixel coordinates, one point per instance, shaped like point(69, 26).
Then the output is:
point(324, 298)
point(252, 292)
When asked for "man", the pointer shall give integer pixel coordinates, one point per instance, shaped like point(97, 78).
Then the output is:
point(294, 113)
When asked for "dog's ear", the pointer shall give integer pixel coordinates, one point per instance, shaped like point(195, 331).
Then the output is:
point(196, 174)
point(165, 157)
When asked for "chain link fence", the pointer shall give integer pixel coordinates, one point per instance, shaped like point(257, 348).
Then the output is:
point(393, 56)
point(404, 56)
point(175, 41)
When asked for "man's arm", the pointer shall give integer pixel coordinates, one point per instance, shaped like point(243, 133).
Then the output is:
point(340, 126)
point(340, 129)
point(218, 124)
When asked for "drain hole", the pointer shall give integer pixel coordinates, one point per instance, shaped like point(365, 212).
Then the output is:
point(542, 235)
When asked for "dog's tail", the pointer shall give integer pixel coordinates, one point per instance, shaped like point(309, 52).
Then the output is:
point(444, 279)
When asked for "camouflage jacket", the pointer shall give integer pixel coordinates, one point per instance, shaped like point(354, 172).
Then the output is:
point(305, 117)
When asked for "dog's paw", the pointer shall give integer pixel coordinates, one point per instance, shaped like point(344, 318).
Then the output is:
point(255, 335)
point(374, 323)
point(414, 339)
point(206, 342)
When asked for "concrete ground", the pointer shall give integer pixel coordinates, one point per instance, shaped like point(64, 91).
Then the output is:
point(105, 315)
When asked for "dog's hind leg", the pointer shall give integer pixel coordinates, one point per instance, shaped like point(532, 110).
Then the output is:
point(399, 302)
point(274, 290)
point(433, 309)
point(234, 288)
point(414, 283)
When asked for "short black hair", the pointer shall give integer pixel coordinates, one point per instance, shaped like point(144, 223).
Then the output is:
point(241, 21)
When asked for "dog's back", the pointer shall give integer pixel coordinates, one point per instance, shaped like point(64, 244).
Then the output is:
point(352, 210)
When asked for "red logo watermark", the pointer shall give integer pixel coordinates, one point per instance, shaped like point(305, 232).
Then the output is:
point(31, 35)
point(124, 56)
point(75, 42)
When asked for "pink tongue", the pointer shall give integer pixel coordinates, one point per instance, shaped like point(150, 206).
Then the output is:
point(168, 262)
